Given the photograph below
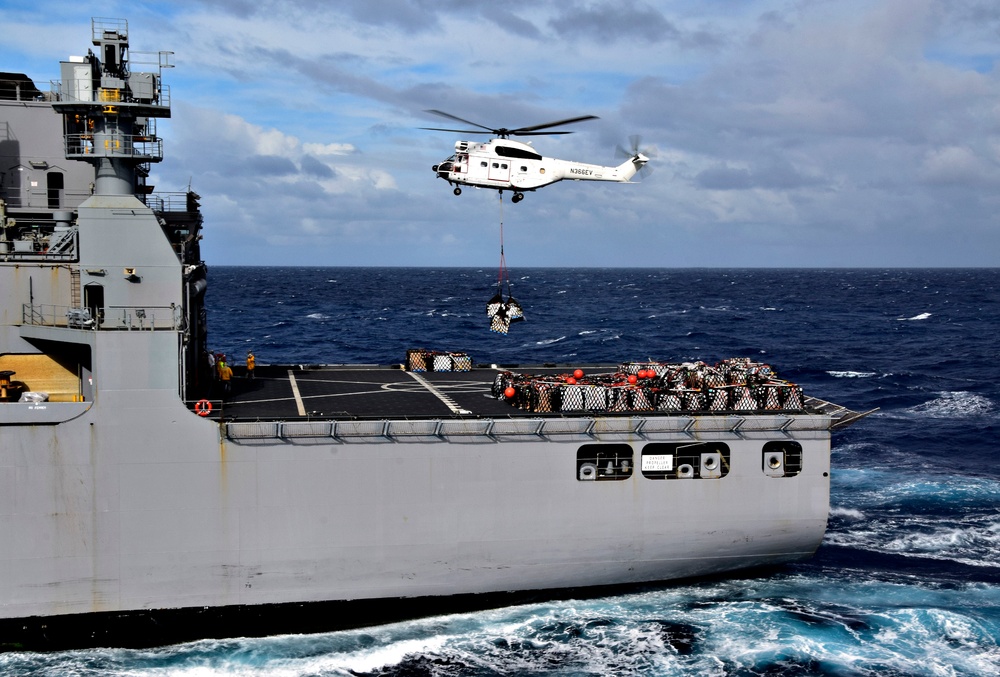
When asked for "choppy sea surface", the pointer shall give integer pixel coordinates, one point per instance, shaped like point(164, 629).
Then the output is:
point(906, 582)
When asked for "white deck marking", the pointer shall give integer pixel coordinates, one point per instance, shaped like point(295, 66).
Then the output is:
point(450, 403)
point(295, 391)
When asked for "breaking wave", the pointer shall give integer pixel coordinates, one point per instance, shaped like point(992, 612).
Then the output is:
point(954, 405)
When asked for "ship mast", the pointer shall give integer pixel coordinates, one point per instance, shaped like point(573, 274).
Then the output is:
point(109, 112)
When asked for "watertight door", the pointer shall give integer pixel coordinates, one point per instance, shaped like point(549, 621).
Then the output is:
point(93, 299)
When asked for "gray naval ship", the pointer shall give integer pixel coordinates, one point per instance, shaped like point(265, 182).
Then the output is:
point(137, 508)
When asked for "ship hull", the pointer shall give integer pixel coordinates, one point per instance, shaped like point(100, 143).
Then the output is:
point(138, 504)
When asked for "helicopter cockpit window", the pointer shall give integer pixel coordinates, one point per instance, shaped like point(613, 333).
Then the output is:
point(510, 151)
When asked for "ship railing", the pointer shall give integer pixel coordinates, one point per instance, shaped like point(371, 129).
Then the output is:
point(169, 202)
point(116, 318)
point(70, 199)
point(653, 426)
point(99, 25)
point(155, 100)
point(49, 315)
point(135, 146)
point(143, 318)
point(24, 250)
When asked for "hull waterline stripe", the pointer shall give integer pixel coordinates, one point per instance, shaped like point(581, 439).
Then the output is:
point(295, 392)
point(448, 402)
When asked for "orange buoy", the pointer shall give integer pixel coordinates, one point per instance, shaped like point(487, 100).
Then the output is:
point(509, 392)
point(203, 407)
point(578, 373)
point(632, 378)
point(571, 381)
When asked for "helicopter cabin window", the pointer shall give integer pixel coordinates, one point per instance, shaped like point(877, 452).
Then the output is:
point(524, 168)
point(520, 153)
point(484, 163)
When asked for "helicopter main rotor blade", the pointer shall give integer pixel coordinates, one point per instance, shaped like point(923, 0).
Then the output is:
point(459, 131)
point(523, 131)
point(458, 119)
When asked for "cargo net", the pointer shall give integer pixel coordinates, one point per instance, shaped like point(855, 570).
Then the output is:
point(503, 313)
point(733, 385)
point(420, 359)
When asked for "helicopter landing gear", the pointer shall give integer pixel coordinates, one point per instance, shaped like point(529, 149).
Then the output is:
point(457, 191)
point(517, 197)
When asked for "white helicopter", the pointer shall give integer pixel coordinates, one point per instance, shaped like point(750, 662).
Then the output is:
point(503, 164)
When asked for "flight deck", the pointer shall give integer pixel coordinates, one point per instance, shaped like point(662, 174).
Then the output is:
point(346, 392)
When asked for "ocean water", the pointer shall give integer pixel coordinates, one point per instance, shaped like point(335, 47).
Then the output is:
point(906, 582)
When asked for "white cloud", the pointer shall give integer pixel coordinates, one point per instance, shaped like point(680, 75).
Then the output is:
point(775, 121)
point(328, 148)
point(957, 165)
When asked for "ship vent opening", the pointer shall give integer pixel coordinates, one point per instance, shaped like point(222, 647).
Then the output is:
point(603, 462)
point(685, 460)
point(782, 458)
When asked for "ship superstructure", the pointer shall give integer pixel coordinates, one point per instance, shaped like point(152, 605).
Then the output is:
point(136, 509)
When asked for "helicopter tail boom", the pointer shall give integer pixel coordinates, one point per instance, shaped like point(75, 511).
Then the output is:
point(576, 171)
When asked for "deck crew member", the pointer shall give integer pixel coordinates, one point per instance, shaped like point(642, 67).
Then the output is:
point(251, 363)
point(226, 375)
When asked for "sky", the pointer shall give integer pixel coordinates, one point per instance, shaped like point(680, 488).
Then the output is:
point(783, 133)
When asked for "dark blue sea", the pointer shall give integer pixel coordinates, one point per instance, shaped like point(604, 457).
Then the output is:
point(907, 581)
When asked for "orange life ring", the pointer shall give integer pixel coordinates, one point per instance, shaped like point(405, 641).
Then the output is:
point(203, 407)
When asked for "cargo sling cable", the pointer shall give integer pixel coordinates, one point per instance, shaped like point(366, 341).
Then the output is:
point(503, 313)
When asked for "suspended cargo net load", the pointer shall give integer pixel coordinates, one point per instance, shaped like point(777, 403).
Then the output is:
point(733, 385)
point(502, 313)
point(420, 359)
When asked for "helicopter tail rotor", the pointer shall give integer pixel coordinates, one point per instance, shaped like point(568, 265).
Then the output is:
point(639, 156)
